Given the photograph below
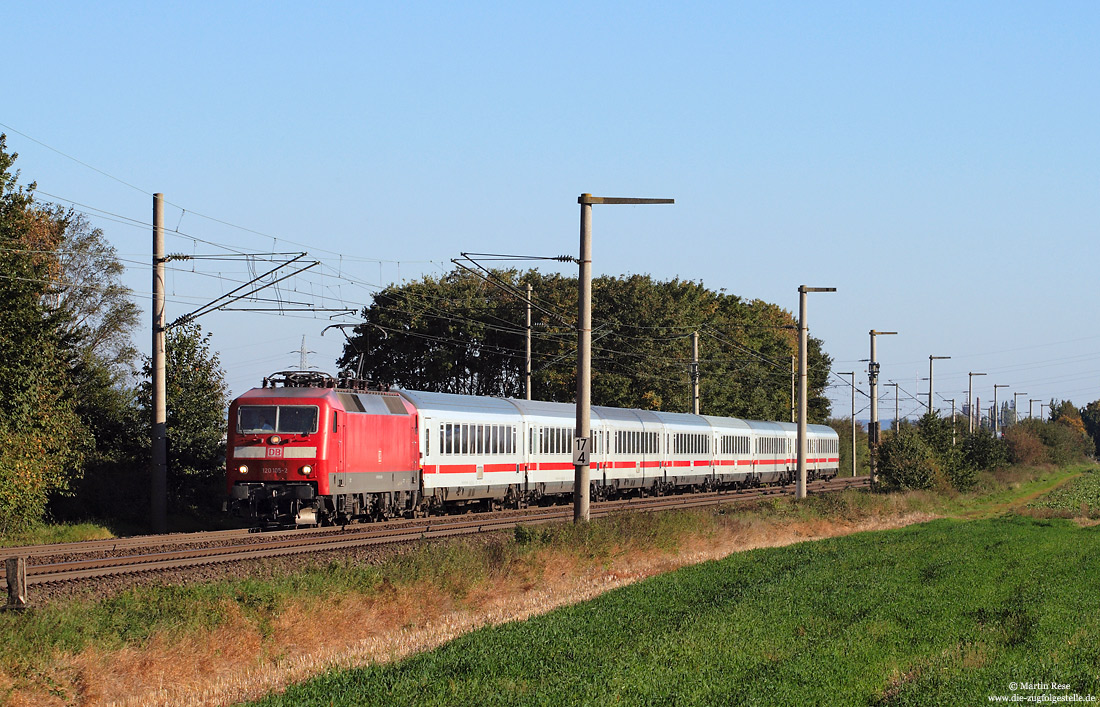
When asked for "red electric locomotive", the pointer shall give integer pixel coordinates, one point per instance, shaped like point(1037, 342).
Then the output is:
point(297, 451)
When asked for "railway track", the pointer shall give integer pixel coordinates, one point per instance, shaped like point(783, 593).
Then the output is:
point(68, 562)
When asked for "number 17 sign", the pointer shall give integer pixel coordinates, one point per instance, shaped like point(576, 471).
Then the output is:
point(582, 450)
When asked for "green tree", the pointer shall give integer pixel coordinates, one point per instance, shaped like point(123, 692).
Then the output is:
point(100, 315)
point(197, 401)
point(97, 318)
point(1090, 418)
point(940, 435)
point(905, 461)
point(981, 450)
point(44, 439)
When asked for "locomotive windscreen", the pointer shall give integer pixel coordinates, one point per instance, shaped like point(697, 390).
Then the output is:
point(287, 419)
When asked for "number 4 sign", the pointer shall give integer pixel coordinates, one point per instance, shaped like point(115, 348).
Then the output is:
point(582, 450)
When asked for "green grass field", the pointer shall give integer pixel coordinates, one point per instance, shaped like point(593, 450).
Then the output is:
point(948, 612)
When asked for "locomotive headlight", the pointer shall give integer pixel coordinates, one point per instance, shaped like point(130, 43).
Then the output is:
point(274, 439)
point(306, 470)
point(243, 468)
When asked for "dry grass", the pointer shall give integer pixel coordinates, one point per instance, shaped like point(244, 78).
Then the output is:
point(235, 662)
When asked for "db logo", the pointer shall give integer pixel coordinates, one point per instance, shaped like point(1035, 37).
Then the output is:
point(274, 452)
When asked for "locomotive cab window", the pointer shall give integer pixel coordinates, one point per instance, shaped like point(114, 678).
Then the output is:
point(287, 419)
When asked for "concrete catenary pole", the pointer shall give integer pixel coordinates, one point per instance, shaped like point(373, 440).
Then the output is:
point(159, 469)
point(996, 410)
point(873, 426)
point(584, 344)
point(803, 368)
point(584, 360)
point(931, 405)
point(527, 364)
point(970, 402)
point(1016, 407)
point(1030, 409)
point(695, 372)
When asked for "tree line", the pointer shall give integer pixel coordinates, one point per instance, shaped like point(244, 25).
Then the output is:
point(458, 333)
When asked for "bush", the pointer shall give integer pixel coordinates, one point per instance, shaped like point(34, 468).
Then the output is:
point(939, 436)
point(981, 450)
point(1024, 445)
point(1064, 443)
point(906, 461)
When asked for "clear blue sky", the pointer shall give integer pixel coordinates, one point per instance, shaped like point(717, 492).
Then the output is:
point(938, 163)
